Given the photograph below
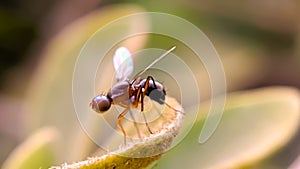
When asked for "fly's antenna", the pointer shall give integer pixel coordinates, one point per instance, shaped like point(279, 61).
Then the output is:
point(154, 62)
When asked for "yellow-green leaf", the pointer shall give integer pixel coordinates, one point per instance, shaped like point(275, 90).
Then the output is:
point(35, 152)
point(254, 125)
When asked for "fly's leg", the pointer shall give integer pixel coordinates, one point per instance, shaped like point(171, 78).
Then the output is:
point(120, 119)
point(142, 110)
point(135, 124)
point(135, 104)
point(143, 93)
point(173, 107)
point(140, 95)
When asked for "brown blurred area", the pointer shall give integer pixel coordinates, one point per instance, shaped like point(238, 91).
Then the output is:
point(25, 29)
point(27, 26)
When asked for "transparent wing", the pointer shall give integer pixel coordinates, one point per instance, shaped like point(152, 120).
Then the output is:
point(123, 63)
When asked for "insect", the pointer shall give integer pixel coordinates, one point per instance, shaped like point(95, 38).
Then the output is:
point(126, 93)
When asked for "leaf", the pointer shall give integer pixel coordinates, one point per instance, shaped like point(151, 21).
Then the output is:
point(49, 97)
point(254, 125)
point(35, 152)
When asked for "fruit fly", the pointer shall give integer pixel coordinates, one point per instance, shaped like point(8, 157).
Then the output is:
point(126, 93)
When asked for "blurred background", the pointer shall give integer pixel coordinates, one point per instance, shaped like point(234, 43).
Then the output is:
point(258, 40)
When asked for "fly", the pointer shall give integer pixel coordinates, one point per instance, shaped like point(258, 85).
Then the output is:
point(126, 93)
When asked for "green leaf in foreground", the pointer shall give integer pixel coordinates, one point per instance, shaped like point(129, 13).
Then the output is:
point(254, 125)
point(35, 152)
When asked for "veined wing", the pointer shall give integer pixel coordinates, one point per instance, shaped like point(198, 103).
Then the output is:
point(123, 63)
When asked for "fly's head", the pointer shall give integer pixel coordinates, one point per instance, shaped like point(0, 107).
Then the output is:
point(101, 103)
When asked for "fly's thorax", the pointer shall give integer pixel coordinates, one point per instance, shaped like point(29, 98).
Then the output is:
point(119, 93)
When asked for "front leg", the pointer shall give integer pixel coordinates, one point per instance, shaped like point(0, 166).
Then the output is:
point(120, 119)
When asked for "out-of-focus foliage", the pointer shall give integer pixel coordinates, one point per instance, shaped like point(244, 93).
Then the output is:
point(49, 97)
point(16, 35)
point(254, 125)
point(35, 152)
point(258, 42)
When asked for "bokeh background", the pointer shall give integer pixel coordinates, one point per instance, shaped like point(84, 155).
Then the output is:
point(258, 40)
